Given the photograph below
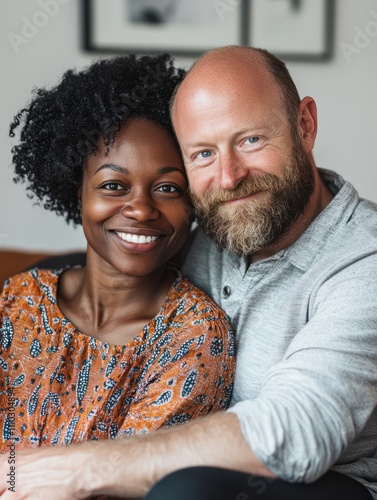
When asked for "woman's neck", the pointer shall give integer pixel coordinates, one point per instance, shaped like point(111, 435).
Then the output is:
point(101, 302)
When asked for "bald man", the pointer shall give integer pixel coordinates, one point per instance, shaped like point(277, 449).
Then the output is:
point(290, 252)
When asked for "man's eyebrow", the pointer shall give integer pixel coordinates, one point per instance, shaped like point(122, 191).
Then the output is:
point(254, 130)
point(115, 168)
point(198, 144)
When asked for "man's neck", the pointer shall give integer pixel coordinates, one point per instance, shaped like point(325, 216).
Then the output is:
point(319, 200)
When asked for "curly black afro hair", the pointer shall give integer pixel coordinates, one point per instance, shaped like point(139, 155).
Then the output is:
point(62, 126)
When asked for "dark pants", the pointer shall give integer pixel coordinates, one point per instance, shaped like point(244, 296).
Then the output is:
point(209, 483)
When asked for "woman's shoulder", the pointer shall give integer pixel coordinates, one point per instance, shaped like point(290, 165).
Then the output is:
point(193, 300)
point(32, 282)
point(195, 322)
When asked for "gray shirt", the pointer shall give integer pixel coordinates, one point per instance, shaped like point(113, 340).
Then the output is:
point(306, 327)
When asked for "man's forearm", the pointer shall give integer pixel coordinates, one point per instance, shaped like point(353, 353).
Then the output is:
point(216, 440)
point(130, 467)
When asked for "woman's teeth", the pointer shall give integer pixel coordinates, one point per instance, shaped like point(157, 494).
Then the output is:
point(140, 239)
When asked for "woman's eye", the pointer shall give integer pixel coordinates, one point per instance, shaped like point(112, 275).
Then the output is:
point(252, 140)
point(112, 186)
point(168, 189)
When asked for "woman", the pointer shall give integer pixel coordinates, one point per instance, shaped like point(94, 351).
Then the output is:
point(125, 344)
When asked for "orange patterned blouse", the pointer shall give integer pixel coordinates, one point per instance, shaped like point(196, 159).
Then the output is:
point(59, 386)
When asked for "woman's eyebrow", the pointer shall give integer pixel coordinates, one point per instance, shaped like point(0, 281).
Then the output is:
point(116, 168)
point(124, 170)
point(167, 170)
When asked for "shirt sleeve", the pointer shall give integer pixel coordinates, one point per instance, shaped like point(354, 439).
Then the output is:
point(189, 379)
point(322, 395)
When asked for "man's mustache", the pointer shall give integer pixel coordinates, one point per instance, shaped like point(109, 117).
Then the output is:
point(246, 187)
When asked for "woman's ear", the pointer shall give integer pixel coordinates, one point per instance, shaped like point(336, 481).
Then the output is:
point(79, 195)
point(79, 200)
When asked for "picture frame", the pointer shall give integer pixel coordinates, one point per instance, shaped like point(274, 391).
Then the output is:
point(180, 27)
point(300, 30)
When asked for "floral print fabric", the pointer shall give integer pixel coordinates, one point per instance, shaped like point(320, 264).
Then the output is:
point(70, 387)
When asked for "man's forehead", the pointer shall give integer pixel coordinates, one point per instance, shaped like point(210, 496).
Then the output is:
point(225, 97)
point(209, 84)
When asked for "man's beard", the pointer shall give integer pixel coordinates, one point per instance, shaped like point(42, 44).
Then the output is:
point(245, 228)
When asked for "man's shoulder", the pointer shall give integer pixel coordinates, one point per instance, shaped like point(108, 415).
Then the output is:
point(359, 231)
point(348, 225)
point(353, 210)
point(365, 217)
point(350, 250)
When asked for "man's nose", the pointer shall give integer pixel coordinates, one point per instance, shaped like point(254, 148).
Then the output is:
point(231, 171)
point(140, 207)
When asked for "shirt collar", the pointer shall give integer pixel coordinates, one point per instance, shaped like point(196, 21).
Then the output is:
point(337, 213)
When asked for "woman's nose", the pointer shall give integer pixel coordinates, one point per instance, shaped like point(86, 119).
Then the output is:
point(140, 207)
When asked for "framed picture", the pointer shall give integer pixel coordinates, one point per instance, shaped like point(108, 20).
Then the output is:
point(185, 27)
point(291, 29)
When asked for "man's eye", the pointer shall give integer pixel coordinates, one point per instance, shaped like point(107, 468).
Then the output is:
point(252, 140)
point(112, 186)
point(205, 154)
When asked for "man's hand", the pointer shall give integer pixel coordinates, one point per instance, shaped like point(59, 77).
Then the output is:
point(59, 473)
point(128, 468)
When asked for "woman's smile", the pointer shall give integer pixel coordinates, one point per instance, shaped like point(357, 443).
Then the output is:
point(138, 243)
point(141, 239)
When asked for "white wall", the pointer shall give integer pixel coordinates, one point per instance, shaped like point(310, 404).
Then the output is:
point(345, 91)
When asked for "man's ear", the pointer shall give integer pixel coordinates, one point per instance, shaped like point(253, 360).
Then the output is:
point(307, 123)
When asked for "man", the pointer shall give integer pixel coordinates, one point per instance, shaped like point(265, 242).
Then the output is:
point(298, 278)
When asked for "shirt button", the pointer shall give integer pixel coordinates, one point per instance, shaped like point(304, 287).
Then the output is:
point(226, 291)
